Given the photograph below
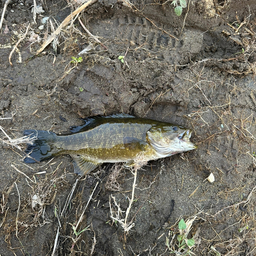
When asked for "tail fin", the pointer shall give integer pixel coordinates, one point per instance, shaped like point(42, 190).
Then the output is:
point(42, 145)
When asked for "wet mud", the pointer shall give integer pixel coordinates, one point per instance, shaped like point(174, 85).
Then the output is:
point(196, 70)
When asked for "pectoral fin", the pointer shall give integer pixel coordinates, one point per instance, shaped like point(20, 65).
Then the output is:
point(83, 166)
point(129, 164)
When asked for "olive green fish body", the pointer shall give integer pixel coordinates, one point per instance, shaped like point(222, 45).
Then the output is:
point(109, 142)
point(112, 139)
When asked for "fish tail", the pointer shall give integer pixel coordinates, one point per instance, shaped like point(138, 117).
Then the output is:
point(42, 145)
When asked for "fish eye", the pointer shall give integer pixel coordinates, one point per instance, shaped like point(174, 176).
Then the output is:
point(175, 128)
point(180, 137)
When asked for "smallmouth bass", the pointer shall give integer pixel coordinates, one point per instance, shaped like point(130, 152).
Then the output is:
point(111, 139)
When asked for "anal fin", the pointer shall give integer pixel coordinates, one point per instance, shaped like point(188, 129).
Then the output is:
point(83, 166)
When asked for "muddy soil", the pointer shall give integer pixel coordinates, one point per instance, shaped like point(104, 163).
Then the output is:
point(196, 70)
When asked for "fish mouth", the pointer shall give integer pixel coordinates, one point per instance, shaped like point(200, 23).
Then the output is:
point(185, 136)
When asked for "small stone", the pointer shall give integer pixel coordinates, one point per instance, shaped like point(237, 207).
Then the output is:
point(211, 178)
point(41, 27)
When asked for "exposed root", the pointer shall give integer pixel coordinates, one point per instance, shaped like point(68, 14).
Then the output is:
point(112, 183)
point(117, 215)
point(16, 45)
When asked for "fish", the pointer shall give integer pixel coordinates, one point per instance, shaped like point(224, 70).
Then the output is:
point(110, 139)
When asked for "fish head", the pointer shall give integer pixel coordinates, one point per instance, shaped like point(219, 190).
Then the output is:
point(168, 140)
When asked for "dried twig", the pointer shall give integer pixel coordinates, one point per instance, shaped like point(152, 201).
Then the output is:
point(94, 241)
point(78, 233)
point(90, 34)
point(70, 195)
point(4, 218)
point(1, 128)
point(5, 118)
point(64, 24)
point(18, 210)
point(22, 173)
point(34, 10)
point(156, 98)
point(201, 90)
point(56, 241)
point(3, 13)
point(245, 202)
point(184, 21)
point(89, 200)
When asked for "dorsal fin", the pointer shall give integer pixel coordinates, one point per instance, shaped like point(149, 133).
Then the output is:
point(91, 122)
point(119, 116)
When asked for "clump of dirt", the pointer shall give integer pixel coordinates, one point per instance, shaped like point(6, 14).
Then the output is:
point(196, 70)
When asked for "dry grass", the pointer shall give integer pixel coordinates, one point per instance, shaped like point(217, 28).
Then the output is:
point(67, 20)
point(33, 197)
point(16, 142)
point(44, 191)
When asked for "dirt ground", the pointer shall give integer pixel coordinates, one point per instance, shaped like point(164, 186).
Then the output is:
point(195, 70)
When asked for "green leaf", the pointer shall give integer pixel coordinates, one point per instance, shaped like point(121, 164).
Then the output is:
point(76, 60)
point(79, 232)
point(183, 3)
point(55, 212)
point(178, 10)
point(179, 238)
point(80, 59)
point(81, 89)
point(182, 224)
point(190, 242)
point(74, 229)
point(121, 58)
point(167, 242)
